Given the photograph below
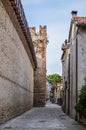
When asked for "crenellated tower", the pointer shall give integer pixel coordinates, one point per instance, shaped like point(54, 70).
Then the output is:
point(39, 41)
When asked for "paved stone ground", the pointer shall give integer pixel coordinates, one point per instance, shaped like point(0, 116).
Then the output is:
point(48, 118)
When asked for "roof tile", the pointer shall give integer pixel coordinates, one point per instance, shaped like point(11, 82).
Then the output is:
point(80, 20)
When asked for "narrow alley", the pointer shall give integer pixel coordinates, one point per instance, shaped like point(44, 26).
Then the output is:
point(50, 117)
point(37, 66)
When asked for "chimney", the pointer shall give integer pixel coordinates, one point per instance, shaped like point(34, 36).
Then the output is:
point(74, 14)
point(66, 42)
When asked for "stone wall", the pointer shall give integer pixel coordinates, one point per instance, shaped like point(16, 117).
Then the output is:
point(65, 75)
point(77, 66)
point(71, 80)
point(16, 71)
point(73, 72)
point(39, 40)
point(81, 57)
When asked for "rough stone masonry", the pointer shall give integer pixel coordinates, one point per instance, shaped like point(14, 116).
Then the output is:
point(39, 41)
point(16, 66)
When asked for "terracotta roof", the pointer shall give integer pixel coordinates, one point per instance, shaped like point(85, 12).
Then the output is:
point(80, 20)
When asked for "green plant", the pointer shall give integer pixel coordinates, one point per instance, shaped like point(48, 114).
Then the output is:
point(47, 41)
point(54, 79)
point(81, 105)
point(37, 34)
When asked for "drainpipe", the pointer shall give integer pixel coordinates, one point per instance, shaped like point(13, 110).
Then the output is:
point(76, 71)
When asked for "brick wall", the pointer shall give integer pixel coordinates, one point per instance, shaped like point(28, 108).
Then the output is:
point(39, 40)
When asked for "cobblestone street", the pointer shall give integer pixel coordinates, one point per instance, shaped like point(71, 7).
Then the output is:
point(49, 118)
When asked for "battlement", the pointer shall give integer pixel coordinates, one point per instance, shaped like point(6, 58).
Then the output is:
point(41, 32)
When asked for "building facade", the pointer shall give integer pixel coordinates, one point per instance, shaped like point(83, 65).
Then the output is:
point(58, 93)
point(65, 76)
point(17, 61)
point(77, 61)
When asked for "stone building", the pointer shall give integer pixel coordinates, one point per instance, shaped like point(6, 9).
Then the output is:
point(77, 60)
point(65, 76)
point(47, 91)
point(17, 61)
point(39, 41)
point(58, 93)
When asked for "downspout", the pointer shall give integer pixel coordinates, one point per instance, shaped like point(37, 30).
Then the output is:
point(76, 70)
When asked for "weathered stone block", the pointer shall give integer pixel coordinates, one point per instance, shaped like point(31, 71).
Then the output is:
point(39, 41)
point(16, 71)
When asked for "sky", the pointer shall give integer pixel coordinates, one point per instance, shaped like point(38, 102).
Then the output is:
point(56, 15)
